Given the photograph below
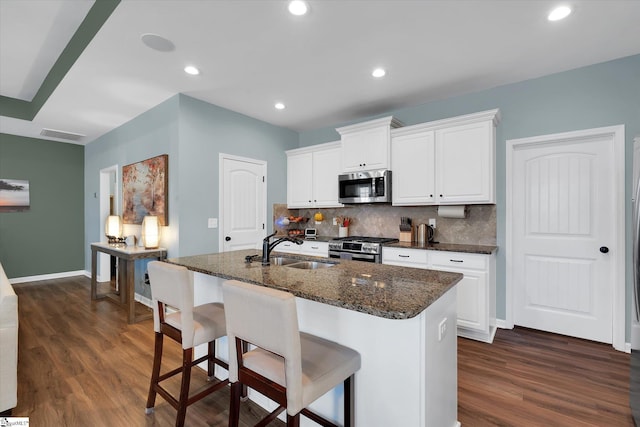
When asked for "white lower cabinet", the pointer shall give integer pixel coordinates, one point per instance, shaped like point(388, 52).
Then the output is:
point(476, 290)
point(288, 248)
point(314, 248)
point(308, 247)
point(416, 258)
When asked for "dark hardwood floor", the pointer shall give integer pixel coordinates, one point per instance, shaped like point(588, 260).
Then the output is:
point(81, 364)
point(534, 378)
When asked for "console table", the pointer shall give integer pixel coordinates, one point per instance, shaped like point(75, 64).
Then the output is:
point(126, 267)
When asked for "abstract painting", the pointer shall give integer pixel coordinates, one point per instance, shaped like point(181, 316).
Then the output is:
point(14, 195)
point(144, 190)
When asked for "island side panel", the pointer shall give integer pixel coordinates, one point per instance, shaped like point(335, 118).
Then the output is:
point(388, 384)
point(441, 362)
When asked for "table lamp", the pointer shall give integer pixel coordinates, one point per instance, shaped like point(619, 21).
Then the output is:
point(150, 232)
point(113, 229)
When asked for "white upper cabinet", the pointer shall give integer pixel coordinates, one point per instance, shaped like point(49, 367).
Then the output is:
point(299, 179)
point(466, 163)
point(366, 146)
point(413, 168)
point(449, 161)
point(312, 176)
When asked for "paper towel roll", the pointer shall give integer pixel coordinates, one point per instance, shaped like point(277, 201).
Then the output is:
point(452, 211)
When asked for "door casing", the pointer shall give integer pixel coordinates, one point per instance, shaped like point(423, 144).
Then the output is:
point(106, 175)
point(221, 222)
point(619, 288)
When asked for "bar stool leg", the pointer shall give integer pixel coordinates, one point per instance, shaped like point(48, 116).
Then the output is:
point(155, 374)
point(293, 420)
point(348, 402)
point(211, 361)
point(234, 406)
point(187, 359)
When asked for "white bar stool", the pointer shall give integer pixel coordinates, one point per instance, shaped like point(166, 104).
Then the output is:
point(289, 367)
point(172, 286)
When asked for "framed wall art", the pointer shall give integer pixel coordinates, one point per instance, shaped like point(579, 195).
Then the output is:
point(14, 195)
point(144, 190)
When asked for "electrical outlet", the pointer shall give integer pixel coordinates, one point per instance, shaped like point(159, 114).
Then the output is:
point(335, 221)
point(432, 222)
point(212, 223)
point(442, 329)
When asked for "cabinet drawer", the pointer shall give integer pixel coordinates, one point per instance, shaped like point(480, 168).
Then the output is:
point(288, 247)
point(441, 259)
point(409, 256)
point(315, 249)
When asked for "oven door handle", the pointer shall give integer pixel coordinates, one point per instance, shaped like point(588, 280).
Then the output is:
point(353, 256)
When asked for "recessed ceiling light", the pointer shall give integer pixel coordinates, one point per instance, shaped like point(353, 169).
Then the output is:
point(298, 7)
point(378, 72)
point(559, 13)
point(190, 69)
point(279, 106)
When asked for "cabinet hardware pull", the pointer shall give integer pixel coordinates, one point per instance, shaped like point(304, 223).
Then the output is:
point(404, 256)
point(315, 247)
point(456, 260)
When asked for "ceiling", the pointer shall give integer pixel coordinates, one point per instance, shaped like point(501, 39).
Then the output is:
point(253, 54)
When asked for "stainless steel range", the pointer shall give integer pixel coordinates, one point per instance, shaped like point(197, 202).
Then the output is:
point(358, 248)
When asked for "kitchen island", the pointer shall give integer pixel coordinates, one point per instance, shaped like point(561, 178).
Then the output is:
point(401, 320)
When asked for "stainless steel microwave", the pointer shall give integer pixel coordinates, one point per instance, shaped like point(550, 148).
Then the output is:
point(365, 187)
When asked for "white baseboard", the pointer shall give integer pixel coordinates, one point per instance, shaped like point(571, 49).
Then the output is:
point(143, 300)
point(502, 324)
point(47, 276)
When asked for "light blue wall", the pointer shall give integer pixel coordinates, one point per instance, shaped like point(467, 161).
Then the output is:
point(604, 94)
point(192, 133)
point(206, 131)
point(152, 133)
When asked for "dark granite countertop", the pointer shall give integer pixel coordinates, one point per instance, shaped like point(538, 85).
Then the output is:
point(449, 247)
point(380, 290)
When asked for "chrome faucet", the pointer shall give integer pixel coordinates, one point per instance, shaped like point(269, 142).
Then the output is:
point(268, 247)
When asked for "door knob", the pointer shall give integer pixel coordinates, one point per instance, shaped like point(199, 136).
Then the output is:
point(227, 238)
point(604, 249)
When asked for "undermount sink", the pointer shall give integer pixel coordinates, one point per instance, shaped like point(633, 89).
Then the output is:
point(311, 265)
point(298, 263)
point(281, 260)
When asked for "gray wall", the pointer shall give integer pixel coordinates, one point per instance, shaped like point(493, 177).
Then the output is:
point(47, 238)
point(604, 94)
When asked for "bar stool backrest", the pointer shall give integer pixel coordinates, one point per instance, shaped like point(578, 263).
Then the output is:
point(172, 285)
point(268, 319)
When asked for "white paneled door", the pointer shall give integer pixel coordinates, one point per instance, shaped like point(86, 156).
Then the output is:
point(564, 236)
point(242, 202)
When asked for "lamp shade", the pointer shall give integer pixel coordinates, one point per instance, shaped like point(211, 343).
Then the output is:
point(113, 226)
point(150, 232)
